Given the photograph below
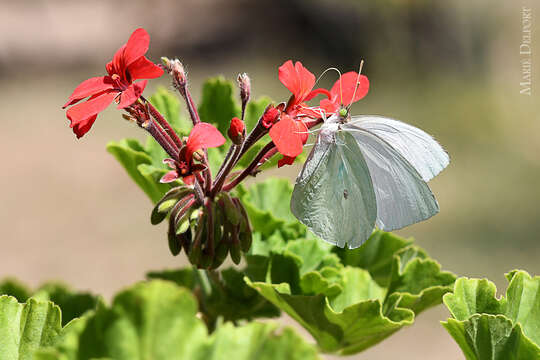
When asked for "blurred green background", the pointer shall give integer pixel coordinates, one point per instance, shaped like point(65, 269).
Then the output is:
point(69, 211)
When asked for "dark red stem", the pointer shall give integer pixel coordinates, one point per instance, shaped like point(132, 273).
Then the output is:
point(222, 175)
point(252, 166)
point(161, 137)
point(164, 124)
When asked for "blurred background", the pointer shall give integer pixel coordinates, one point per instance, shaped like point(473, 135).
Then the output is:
point(70, 212)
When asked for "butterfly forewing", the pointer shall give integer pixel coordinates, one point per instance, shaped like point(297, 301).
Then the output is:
point(418, 148)
point(334, 195)
point(403, 198)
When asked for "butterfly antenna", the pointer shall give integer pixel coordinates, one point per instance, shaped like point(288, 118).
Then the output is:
point(327, 70)
point(357, 84)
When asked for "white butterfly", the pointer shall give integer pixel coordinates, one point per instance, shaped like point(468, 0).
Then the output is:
point(370, 171)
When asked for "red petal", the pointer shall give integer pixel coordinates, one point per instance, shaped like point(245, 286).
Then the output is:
point(344, 94)
point(285, 160)
point(203, 135)
point(297, 79)
point(84, 126)
point(142, 68)
point(169, 177)
point(136, 46)
point(83, 115)
point(316, 92)
point(328, 106)
point(170, 162)
point(89, 87)
point(131, 94)
point(189, 180)
point(117, 65)
point(286, 135)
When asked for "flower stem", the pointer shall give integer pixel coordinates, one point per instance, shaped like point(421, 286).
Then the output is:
point(161, 137)
point(164, 124)
point(222, 175)
point(183, 90)
point(259, 159)
point(199, 193)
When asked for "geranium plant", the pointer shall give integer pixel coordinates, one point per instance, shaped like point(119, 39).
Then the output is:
point(192, 169)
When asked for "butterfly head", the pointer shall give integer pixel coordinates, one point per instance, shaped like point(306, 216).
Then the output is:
point(344, 115)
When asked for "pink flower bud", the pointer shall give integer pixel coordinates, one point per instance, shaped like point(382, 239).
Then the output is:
point(236, 131)
point(244, 83)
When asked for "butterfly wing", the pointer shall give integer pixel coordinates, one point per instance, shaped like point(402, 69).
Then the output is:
point(333, 195)
point(418, 148)
point(403, 197)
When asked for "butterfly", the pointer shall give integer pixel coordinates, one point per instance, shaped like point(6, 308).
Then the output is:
point(364, 172)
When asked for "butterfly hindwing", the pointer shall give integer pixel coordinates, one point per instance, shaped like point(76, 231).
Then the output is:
point(417, 147)
point(333, 195)
point(403, 197)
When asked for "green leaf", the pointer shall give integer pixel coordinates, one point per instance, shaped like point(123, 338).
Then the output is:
point(523, 303)
point(492, 337)
point(132, 156)
point(157, 320)
point(489, 328)
point(348, 302)
point(26, 327)
point(230, 299)
point(375, 255)
point(256, 341)
point(13, 287)
point(472, 296)
point(267, 205)
point(417, 282)
point(73, 304)
point(351, 322)
point(218, 103)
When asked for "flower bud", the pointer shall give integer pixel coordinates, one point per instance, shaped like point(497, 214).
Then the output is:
point(207, 233)
point(176, 69)
point(270, 116)
point(244, 83)
point(236, 131)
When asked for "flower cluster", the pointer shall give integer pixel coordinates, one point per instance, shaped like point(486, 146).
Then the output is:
point(204, 219)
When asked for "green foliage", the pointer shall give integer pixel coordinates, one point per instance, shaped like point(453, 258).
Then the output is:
point(157, 320)
point(26, 327)
point(224, 295)
point(348, 300)
point(218, 103)
point(140, 167)
point(489, 328)
point(267, 204)
point(13, 287)
point(73, 304)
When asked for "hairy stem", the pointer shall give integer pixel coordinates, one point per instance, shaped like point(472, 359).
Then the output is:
point(252, 166)
point(161, 137)
point(164, 124)
point(222, 175)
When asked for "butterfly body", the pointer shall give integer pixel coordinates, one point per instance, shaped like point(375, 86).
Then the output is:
point(364, 172)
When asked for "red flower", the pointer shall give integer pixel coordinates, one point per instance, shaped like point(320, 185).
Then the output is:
point(297, 79)
point(203, 135)
point(289, 135)
point(347, 86)
point(128, 64)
